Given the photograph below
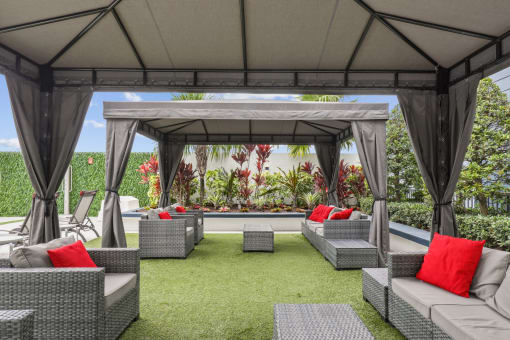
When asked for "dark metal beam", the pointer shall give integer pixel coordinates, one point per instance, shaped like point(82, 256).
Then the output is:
point(205, 127)
point(128, 38)
point(437, 26)
point(52, 20)
point(499, 58)
point(326, 126)
point(200, 139)
point(177, 124)
point(84, 31)
point(397, 32)
point(356, 49)
point(316, 127)
point(181, 127)
point(360, 41)
point(243, 39)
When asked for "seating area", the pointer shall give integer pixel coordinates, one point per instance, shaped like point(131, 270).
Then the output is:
point(342, 242)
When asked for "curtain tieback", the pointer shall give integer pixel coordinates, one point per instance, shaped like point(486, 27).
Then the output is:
point(47, 202)
point(111, 190)
point(440, 204)
point(379, 199)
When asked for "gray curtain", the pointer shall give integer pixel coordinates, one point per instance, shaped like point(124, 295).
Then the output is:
point(370, 137)
point(48, 126)
point(120, 134)
point(170, 154)
point(440, 127)
point(329, 161)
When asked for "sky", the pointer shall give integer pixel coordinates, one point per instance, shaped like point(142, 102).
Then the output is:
point(93, 135)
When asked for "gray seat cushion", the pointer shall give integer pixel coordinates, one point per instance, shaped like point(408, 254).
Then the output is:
point(153, 214)
point(490, 273)
point(36, 256)
point(320, 231)
point(501, 300)
point(116, 286)
point(471, 322)
point(422, 296)
point(312, 225)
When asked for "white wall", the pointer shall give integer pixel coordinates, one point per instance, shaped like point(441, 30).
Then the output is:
point(275, 161)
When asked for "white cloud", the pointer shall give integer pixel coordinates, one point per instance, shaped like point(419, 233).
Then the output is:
point(132, 97)
point(10, 142)
point(93, 103)
point(291, 97)
point(95, 124)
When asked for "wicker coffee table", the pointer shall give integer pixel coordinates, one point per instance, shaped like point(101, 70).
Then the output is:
point(375, 289)
point(318, 321)
point(258, 237)
point(16, 324)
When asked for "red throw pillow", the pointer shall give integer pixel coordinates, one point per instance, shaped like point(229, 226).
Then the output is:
point(341, 215)
point(164, 215)
point(72, 255)
point(180, 209)
point(451, 263)
point(320, 213)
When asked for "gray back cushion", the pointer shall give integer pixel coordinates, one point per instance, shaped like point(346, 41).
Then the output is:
point(490, 273)
point(36, 256)
point(501, 300)
point(355, 215)
point(153, 214)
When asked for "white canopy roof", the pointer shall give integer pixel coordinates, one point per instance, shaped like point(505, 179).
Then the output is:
point(223, 122)
point(234, 45)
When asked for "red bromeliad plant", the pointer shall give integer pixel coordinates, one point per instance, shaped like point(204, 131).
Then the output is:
point(319, 184)
point(307, 167)
point(240, 158)
point(244, 188)
point(343, 189)
point(149, 173)
point(263, 152)
point(182, 183)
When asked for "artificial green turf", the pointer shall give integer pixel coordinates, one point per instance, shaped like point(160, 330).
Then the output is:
point(219, 292)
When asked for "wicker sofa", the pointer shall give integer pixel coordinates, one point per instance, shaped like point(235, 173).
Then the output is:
point(342, 242)
point(422, 311)
point(173, 238)
point(77, 303)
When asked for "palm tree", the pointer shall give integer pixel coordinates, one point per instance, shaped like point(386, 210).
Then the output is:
point(297, 151)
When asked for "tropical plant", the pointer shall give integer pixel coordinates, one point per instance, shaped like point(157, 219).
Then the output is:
point(216, 200)
point(343, 190)
point(311, 199)
point(319, 184)
point(244, 184)
point(183, 182)
point(486, 170)
point(307, 167)
point(222, 182)
point(291, 180)
point(356, 182)
point(248, 149)
point(149, 173)
point(263, 152)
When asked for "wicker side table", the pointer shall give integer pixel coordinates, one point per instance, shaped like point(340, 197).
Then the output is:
point(258, 237)
point(16, 324)
point(375, 289)
point(318, 321)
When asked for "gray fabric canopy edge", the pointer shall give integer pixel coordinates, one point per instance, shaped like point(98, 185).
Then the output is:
point(367, 125)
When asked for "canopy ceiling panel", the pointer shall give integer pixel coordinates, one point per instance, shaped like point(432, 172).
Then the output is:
point(382, 49)
point(21, 11)
point(341, 46)
point(344, 34)
point(36, 43)
point(103, 46)
point(197, 33)
point(286, 34)
point(485, 16)
point(435, 42)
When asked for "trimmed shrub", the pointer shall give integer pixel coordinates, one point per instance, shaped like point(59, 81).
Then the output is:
point(494, 229)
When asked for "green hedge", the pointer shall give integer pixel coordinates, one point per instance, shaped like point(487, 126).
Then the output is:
point(494, 229)
point(16, 189)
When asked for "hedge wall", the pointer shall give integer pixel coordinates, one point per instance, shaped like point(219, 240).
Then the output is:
point(16, 189)
point(494, 229)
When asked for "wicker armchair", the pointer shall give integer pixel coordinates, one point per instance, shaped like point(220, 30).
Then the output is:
point(70, 303)
point(167, 238)
point(199, 221)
